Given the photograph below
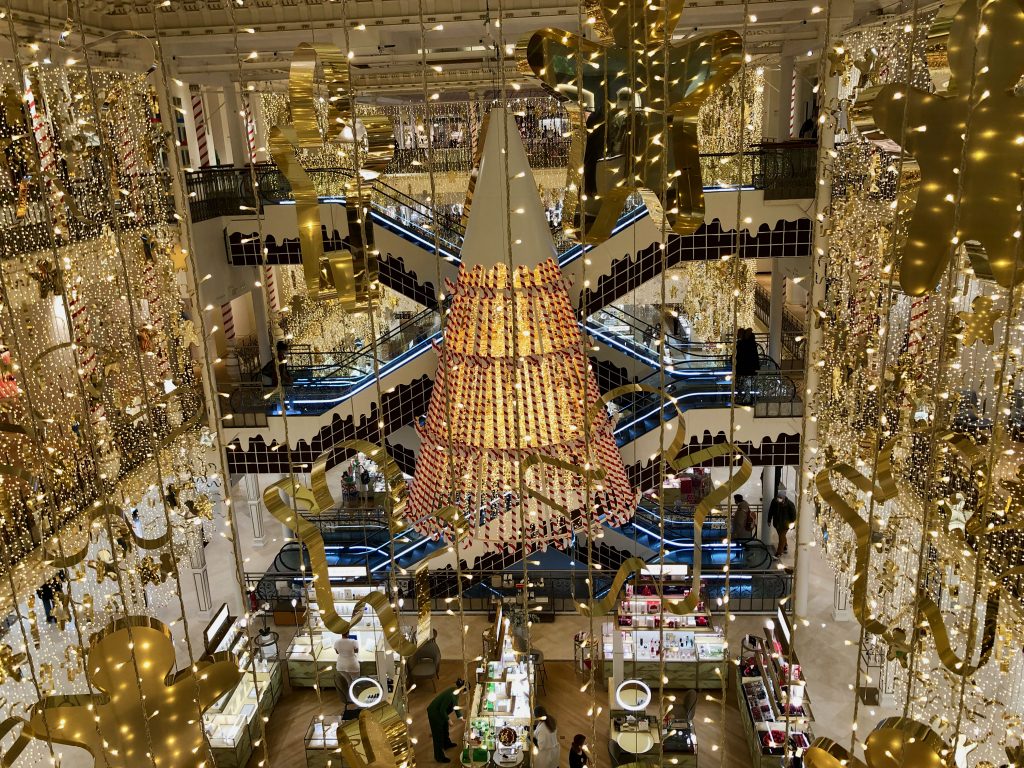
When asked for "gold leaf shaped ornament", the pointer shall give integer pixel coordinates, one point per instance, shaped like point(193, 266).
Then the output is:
point(116, 726)
point(986, 49)
point(638, 141)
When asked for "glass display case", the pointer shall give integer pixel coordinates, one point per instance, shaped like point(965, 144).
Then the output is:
point(771, 690)
point(499, 721)
point(231, 722)
point(321, 742)
point(644, 633)
point(311, 653)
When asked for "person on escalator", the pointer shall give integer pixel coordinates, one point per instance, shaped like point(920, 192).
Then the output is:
point(742, 519)
point(748, 362)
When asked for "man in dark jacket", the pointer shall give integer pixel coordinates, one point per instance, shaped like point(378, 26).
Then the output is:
point(781, 516)
point(438, 711)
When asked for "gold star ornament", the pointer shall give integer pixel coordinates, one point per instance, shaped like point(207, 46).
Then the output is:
point(118, 727)
point(640, 115)
point(969, 144)
point(978, 324)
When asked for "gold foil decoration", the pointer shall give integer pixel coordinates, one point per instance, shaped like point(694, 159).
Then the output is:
point(896, 742)
point(978, 323)
point(350, 276)
point(649, 145)
point(421, 586)
point(383, 740)
point(110, 725)
point(10, 664)
point(966, 142)
point(926, 611)
point(635, 565)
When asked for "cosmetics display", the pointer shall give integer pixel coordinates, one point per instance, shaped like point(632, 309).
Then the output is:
point(313, 647)
point(231, 722)
point(771, 692)
point(499, 720)
point(646, 633)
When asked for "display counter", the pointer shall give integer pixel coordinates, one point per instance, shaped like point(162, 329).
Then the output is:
point(770, 692)
point(651, 641)
point(498, 729)
point(311, 653)
point(641, 736)
point(232, 723)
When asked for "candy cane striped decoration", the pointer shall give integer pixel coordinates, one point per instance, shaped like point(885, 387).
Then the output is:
point(270, 281)
point(87, 359)
point(250, 129)
point(47, 157)
point(229, 321)
point(199, 119)
point(151, 289)
point(916, 326)
point(792, 104)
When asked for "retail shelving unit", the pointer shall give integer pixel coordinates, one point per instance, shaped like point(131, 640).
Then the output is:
point(770, 691)
point(311, 653)
point(499, 719)
point(231, 722)
point(693, 650)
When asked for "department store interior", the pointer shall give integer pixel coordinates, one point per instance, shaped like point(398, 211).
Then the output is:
point(512, 383)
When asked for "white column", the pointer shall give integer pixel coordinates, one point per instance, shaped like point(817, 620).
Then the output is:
point(197, 566)
point(842, 608)
point(218, 125)
point(783, 113)
point(250, 486)
point(776, 308)
point(842, 14)
point(234, 122)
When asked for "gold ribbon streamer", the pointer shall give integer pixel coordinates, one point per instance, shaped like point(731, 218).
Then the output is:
point(926, 611)
point(70, 560)
point(311, 538)
point(634, 565)
point(10, 757)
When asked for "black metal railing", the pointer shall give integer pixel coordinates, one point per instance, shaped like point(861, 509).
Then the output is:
point(559, 591)
point(788, 170)
point(784, 171)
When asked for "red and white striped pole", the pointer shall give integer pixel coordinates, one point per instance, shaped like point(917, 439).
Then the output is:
point(199, 120)
point(270, 281)
point(87, 359)
point(918, 320)
point(47, 157)
point(228, 320)
point(250, 129)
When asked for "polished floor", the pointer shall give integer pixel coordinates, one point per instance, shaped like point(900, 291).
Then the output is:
point(827, 651)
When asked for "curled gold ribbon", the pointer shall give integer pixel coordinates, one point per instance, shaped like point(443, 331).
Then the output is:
point(70, 560)
point(926, 611)
point(635, 565)
point(309, 535)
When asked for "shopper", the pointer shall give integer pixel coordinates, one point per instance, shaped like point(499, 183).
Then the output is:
point(748, 363)
point(45, 594)
point(347, 649)
point(781, 516)
point(438, 712)
point(742, 519)
point(578, 752)
point(545, 737)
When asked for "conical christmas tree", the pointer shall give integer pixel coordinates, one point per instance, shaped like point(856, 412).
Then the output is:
point(508, 417)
